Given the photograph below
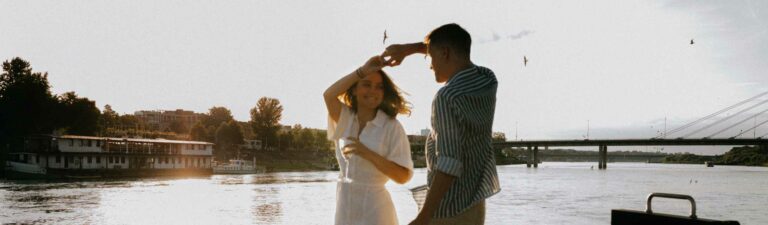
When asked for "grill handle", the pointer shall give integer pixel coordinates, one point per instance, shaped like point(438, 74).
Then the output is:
point(675, 196)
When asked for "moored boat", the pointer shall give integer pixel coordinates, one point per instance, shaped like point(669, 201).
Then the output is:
point(237, 166)
point(88, 157)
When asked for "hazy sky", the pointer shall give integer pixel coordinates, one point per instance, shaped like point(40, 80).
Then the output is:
point(621, 65)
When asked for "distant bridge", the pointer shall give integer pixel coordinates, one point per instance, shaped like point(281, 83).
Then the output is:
point(533, 145)
point(704, 124)
point(635, 142)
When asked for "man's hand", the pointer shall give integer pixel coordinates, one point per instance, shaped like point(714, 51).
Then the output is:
point(440, 185)
point(394, 54)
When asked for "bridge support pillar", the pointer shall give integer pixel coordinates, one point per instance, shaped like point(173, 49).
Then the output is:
point(600, 157)
point(603, 157)
point(530, 156)
point(536, 157)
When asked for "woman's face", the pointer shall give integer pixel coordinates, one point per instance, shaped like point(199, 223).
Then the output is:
point(369, 92)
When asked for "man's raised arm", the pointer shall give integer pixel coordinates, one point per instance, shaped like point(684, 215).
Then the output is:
point(397, 52)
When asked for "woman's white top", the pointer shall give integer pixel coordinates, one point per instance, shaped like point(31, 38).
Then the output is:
point(365, 200)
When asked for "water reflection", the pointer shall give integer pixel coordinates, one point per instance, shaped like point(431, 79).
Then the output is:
point(564, 193)
point(51, 203)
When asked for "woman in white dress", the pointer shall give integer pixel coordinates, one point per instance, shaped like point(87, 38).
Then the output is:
point(362, 109)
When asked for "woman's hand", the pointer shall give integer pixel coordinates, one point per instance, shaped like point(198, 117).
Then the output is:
point(392, 170)
point(355, 147)
point(373, 64)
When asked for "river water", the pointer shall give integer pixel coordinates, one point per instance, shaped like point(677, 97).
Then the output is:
point(555, 193)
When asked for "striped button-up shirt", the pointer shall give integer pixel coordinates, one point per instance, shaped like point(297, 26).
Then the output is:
point(460, 141)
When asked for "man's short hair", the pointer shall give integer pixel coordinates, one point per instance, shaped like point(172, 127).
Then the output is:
point(453, 36)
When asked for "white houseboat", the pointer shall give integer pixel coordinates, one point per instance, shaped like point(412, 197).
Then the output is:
point(238, 166)
point(70, 156)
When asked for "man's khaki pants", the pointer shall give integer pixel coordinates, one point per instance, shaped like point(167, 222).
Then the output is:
point(473, 215)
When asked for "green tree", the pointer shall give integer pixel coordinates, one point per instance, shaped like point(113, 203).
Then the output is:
point(321, 141)
point(216, 116)
point(108, 119)
point(178, 127)
point(198, 133)
point(25, 101)
point(78, 115)
point(285, 140)
point(228, 137)
point(265, 120)
point(306, 138)
point(211, 133)
point(296, 141)
point(499, 137)
point(247, 130)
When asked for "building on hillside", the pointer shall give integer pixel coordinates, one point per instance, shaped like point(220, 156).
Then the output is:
point(163, 120)
point(284, 129)
point(251, 145)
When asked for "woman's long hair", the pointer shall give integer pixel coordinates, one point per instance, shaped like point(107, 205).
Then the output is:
point(392, 103)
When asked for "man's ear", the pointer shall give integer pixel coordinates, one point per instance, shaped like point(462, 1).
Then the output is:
point(445, 52)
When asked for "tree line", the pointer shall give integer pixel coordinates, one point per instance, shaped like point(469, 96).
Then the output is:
point(220, 127)
point(28, 107)
point(743, 155)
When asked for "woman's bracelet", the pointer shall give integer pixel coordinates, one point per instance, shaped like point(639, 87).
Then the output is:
point(359, 73)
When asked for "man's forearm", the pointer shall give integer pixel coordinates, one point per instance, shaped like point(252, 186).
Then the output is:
point(440, 185)
point(418, 47)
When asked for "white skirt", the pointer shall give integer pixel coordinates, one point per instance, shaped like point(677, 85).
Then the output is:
point(358, 204)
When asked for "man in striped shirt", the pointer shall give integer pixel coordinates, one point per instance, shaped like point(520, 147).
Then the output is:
point(460, 159)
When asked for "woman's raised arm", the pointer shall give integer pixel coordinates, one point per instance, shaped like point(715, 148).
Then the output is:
point(331, 95)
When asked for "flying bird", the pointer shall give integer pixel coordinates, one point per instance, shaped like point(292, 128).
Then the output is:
point(692, 42)
point(385, 37)
point(525, 61)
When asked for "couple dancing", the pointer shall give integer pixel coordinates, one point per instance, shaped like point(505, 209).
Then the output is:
point(372, 146)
